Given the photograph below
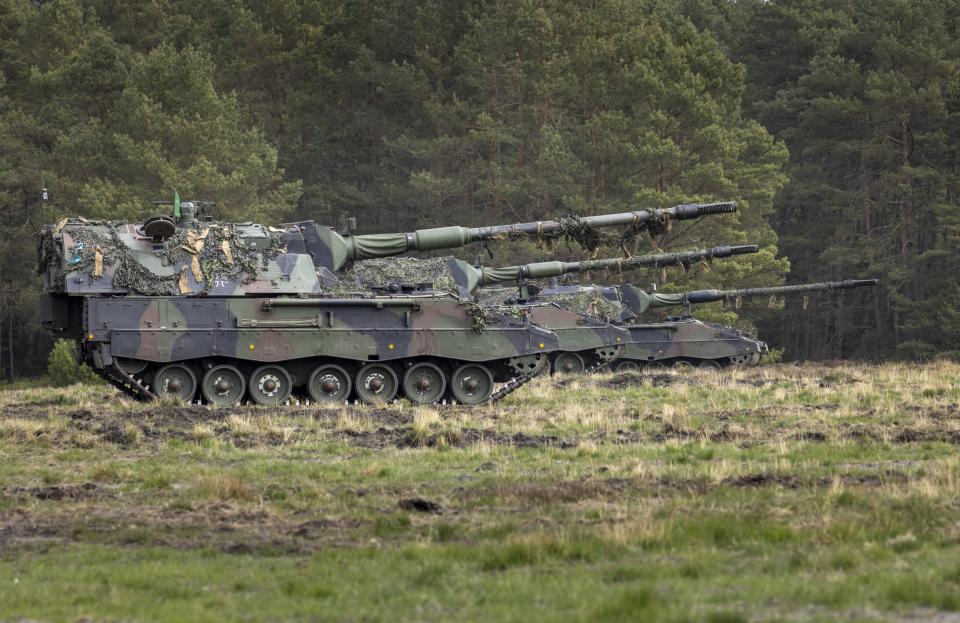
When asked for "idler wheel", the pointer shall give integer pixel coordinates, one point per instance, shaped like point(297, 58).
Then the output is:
point(175, 382)
point(223, 385)
point(329, 383)
point(568, 363)
point(471, 384)
point(131, 366)
point(376, 383)
point(270, 385)
point(424, 383)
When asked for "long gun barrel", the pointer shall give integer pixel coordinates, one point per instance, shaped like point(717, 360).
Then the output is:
point(394, 276)
point(334, 251)
point(709, 296)
point(541, 270)
point(639, 301)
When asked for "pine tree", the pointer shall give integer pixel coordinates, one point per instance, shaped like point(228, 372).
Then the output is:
point(556, 107)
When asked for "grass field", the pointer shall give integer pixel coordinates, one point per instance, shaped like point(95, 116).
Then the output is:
point(782, 493)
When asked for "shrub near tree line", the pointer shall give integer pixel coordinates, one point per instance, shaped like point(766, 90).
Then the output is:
point(62, 366)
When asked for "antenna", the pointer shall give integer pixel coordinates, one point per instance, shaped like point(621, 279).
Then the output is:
point(44, 198)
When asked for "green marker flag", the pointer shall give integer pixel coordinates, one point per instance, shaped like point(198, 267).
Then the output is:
point(176, 204)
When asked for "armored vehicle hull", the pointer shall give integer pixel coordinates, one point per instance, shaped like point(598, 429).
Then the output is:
point(688, 342)
point(425, 348)
point(678, 341)
point(584, 343)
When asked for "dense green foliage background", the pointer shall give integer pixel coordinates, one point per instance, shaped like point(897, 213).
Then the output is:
point(408, 114)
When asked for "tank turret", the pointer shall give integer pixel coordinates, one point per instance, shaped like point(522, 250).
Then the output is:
point(186, 255)
point(639, 301)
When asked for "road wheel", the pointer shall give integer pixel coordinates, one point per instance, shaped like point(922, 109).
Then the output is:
point(270, 385)
point(329, 383)
point(471, 384)
point(682, 365)
point(626, 366)
point(710, 364)
point(376, 383)
point(568, 363)
point(223, 385)
point(424, 383)
point(654, 366)
point(176, 382)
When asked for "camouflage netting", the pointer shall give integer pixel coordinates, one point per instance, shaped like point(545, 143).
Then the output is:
point(222, 253)
point(48, 251)
point(480, 315)
point(589, 303)
point(382, 272)
point(218, 249)
point(483, 315)
point(573, 228)
point(492, 297)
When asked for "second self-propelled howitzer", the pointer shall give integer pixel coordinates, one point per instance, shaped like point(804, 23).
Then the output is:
point(580, 317)
point(582, 323)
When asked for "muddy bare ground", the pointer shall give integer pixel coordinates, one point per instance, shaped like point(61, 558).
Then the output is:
point(99, 513)
point(222, 526)
point(825, 378)
point(395, 428)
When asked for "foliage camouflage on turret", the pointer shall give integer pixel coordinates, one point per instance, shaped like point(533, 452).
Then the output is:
point(204, 240)
point(384, 271)
point(586, 301)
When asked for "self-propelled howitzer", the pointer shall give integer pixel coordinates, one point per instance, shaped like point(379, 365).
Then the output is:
point(587, 337)
point(678, 341)
point(685, 340)
point(197, 309)
point(570, 309)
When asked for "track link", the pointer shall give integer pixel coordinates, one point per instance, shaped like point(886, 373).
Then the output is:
point(512, 386)
point(130, 386)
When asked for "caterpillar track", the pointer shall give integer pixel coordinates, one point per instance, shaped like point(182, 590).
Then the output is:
point(179, 382)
